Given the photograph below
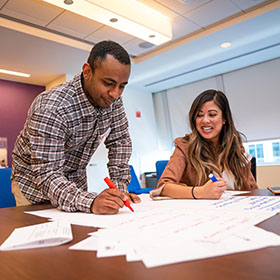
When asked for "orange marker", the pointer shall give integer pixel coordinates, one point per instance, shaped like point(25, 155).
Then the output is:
point(111, 185)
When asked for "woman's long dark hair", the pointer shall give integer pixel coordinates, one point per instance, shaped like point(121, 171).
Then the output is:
point(230, 155)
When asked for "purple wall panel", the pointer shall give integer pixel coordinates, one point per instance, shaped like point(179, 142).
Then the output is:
point(15, 100)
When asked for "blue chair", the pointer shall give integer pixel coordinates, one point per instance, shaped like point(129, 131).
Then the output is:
point(134, 185)
point(160, 166)
point(6, 197)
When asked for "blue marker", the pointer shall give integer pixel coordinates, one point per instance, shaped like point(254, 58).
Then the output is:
point(212, 177)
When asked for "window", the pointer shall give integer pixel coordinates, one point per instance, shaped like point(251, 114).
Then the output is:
point(252, 150)
point(259, 150)
point(276, 149)
point(266, 152)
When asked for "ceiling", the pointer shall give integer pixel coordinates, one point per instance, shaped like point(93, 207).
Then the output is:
point(47, 41)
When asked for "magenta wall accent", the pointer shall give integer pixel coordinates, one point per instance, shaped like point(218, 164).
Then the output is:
point(15, 100)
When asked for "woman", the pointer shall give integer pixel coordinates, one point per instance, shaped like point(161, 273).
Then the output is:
point(214, 146)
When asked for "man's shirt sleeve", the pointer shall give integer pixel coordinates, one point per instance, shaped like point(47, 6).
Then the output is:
point(47, 133)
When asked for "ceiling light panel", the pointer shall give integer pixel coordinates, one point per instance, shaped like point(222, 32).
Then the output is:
point(129, 16)
point(9, 72)
point(225, 45)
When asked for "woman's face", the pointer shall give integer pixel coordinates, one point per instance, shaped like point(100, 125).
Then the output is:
point(209, 122)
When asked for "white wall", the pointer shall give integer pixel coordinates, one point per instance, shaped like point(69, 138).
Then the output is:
point(254, 97)
point(144, 139)
point(143, 130)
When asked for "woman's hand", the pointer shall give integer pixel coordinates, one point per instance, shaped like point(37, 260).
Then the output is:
point(211, 190)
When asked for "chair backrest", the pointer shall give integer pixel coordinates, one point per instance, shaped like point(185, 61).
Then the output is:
point(6, 197)
point(160, 166)
point(254, 167)
point(134, 185)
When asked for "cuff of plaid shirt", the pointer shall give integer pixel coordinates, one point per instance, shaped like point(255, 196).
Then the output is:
point(85, 201)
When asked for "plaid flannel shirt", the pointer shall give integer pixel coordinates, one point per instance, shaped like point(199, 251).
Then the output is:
point(62, 131)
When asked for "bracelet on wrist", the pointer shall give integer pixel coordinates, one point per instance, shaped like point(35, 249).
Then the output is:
point(193, 193)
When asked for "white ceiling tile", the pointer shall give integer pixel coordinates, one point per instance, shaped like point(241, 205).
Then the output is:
point(108, 33)
point(246, 4)
point(36, 12)
point(212, 12)
point(181, 7)
point(182, 26)
point(74, 25)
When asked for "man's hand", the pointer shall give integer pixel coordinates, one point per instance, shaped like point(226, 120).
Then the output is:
point(108, 202)
point(133, 198)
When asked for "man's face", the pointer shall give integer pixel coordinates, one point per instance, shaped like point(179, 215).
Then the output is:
point(106, 83)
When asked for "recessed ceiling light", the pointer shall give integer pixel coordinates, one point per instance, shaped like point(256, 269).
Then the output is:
point(225, 45)
point(113, 19)
point(68, 2)
point(146, 45)
point(4, 71)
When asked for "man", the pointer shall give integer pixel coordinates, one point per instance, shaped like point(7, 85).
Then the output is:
point(63, 129)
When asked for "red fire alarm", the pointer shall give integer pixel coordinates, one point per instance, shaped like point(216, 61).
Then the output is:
point(138, 114)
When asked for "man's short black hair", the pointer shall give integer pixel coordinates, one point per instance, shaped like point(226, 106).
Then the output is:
point(101, 49)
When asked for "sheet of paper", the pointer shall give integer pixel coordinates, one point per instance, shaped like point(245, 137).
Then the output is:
point(229, 193)
point(88, 244)
point(180, 250)
point(249, 203)
point(41, 235)
point(109, 247)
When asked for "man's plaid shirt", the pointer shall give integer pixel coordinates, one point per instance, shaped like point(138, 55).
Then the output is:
point(61, 133)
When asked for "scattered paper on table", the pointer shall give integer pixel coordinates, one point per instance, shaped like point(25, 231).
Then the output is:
point(169, 231)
